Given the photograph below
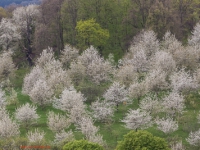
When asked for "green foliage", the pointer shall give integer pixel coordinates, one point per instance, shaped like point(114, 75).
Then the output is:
point(17, 81)
point(12, 98)
point(178, 16)
point(82, 145)
point(192, 100)
point(142, 140)
point(13, 143)
point(69, 18)
point(3, 13)
point(90, 33)
point(91, 90)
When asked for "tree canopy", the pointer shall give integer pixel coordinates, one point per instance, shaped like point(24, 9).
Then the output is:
point(141, 140)
point(82, 145)
point(90, 33)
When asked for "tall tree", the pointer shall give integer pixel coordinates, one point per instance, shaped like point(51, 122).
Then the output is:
point(161, 17)
point(90, 33)
point(187, 14)
point(3, 13)
point(69, 14)
point(140, 11)
point(25, 19)
point(52, 21)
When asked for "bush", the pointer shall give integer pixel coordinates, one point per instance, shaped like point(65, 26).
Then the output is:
point(141, 140)
point(82, 145)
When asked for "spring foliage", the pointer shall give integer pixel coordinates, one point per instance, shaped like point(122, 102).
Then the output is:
point(83, 145)
point(141, 140)
point(116, 94)
point(136, 119)
point(35, 136)
point(57, 122)
point(26, 114)
point(194, 138)
point(8, 127)
point(7, 67)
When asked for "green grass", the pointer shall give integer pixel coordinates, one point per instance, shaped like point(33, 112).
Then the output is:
point(19, 76)
point(113, 131)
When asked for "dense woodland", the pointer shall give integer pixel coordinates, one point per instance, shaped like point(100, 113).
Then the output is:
point(56, 25)
point(82, 73)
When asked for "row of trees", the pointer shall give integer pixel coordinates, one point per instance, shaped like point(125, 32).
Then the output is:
point(149, 67)
point(108, 25)
point(71, 80)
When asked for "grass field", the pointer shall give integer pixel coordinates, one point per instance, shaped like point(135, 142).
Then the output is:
point(114, 130)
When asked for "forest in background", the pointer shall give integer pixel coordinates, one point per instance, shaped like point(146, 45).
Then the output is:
point(95, 70)
point(123, 19)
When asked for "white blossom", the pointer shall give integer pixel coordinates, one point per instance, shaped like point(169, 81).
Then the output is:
point(3, 113)
point(174, 103)
point(8, 128)
point(9, 34)
point(36, 136)
point(12, 98)
point(49, 71)
point(76, 113)
point(86, 125)
point(97, 69)
point(64, 136)
point(135, 119)
point(31, 78)
point(170, 43)
point(111, 59)
point(195, 38)
point(137, 90)
point(182, 81)
point(164, 61)
point(97, 139)
point(7, 67)
point(55, 76)
point(177, 146)
point(41, 93)
point(116, 94)
point(46, 57)
point(167, 125)
point(77, 72)
point(68, 99)
point(102, 111)
point(150, 104)
point(57, 122)
point(146, 40)
point(126, 74)
point(88, 56)
point(194, 138)
point(2, 98)
point(156, 80)
point(139, 61)
point(26, 114)
point(25, 17)
point(68, 54)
